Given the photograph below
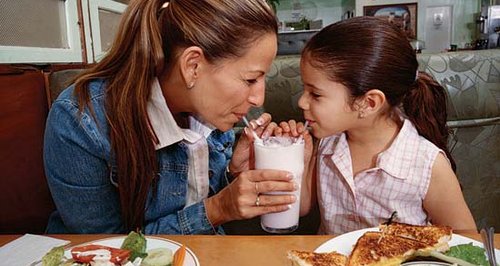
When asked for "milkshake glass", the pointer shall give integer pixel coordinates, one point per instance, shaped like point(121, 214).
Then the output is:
point(281, 153)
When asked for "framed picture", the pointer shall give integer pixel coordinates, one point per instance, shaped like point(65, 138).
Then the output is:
point(404, 15)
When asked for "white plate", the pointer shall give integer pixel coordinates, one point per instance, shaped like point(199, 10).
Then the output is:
point(151, 242)
point(345, 243)
point(426, 263)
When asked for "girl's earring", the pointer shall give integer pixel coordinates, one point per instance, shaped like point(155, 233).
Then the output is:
point(191, 85)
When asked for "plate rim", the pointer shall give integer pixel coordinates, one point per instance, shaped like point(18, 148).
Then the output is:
point(188, 250)
point(323, 246)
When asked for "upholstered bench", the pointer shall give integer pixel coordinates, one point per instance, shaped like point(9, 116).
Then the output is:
point(472, 79)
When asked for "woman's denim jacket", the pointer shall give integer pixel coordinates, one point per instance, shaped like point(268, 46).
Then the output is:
point(81, 174)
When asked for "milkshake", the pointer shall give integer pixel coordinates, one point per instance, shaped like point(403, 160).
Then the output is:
point(281, 153)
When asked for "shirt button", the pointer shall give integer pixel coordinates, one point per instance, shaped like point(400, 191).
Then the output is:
point(210, 173)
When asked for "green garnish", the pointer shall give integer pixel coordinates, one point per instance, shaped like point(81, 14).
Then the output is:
point(136, 243)
point(53, 257)
point(469, 253)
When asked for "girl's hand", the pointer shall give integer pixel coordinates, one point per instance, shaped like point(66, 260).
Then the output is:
point(239, 199)
point(292, 129)
point(242, 158)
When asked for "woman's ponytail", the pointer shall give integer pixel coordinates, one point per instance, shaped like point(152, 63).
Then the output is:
point(425, 106)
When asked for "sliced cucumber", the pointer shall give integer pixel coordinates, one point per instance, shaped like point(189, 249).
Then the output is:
point(158, 257)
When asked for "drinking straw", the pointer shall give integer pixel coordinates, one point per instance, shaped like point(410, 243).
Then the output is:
point(251, 130)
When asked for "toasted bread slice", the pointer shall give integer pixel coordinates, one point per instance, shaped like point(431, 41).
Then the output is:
point(306, 258)
point(375, 248)
point(435, 236)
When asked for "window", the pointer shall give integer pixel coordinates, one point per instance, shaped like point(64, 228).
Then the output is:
point(104, 19)
point(57, 31)
point(47, 33)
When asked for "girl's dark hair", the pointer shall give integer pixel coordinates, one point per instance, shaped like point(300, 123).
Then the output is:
point(364, 53)
point(151, 34)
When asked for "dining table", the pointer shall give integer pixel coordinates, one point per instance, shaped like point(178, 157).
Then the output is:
point(239, 250)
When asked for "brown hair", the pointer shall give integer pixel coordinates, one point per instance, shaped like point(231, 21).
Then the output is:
point(150, 34)
point(364, 53)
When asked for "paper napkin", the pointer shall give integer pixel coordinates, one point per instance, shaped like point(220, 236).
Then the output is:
point(28, 249)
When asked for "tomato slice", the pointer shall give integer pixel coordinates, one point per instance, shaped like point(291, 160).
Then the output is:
point(117, 255)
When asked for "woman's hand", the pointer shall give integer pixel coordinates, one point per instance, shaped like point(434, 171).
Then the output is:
point(242, 158)
point(243, 198)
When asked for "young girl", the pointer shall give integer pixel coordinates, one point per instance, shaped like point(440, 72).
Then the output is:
point(382, 130)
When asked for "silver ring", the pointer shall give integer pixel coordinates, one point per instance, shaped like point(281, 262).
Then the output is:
point(257, 188)
point(257, 201)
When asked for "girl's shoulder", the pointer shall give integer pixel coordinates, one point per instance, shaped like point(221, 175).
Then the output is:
point(410, 146)
point(409, 135)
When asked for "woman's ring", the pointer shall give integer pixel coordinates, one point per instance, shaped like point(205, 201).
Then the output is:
point(257, 188)
point(257, 201)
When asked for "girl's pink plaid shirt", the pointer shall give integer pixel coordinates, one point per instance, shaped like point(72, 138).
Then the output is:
point(399, 182)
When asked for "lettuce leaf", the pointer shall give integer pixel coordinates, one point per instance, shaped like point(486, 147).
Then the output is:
point(54, 257)
point(136, 243)
point(470, 253)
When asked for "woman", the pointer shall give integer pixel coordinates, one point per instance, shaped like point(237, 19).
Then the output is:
point(142, 140)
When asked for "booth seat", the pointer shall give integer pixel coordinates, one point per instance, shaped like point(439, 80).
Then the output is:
point(472, 79)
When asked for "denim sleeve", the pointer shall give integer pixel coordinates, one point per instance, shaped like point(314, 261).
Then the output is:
point(76, 165)
point(188, 221)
